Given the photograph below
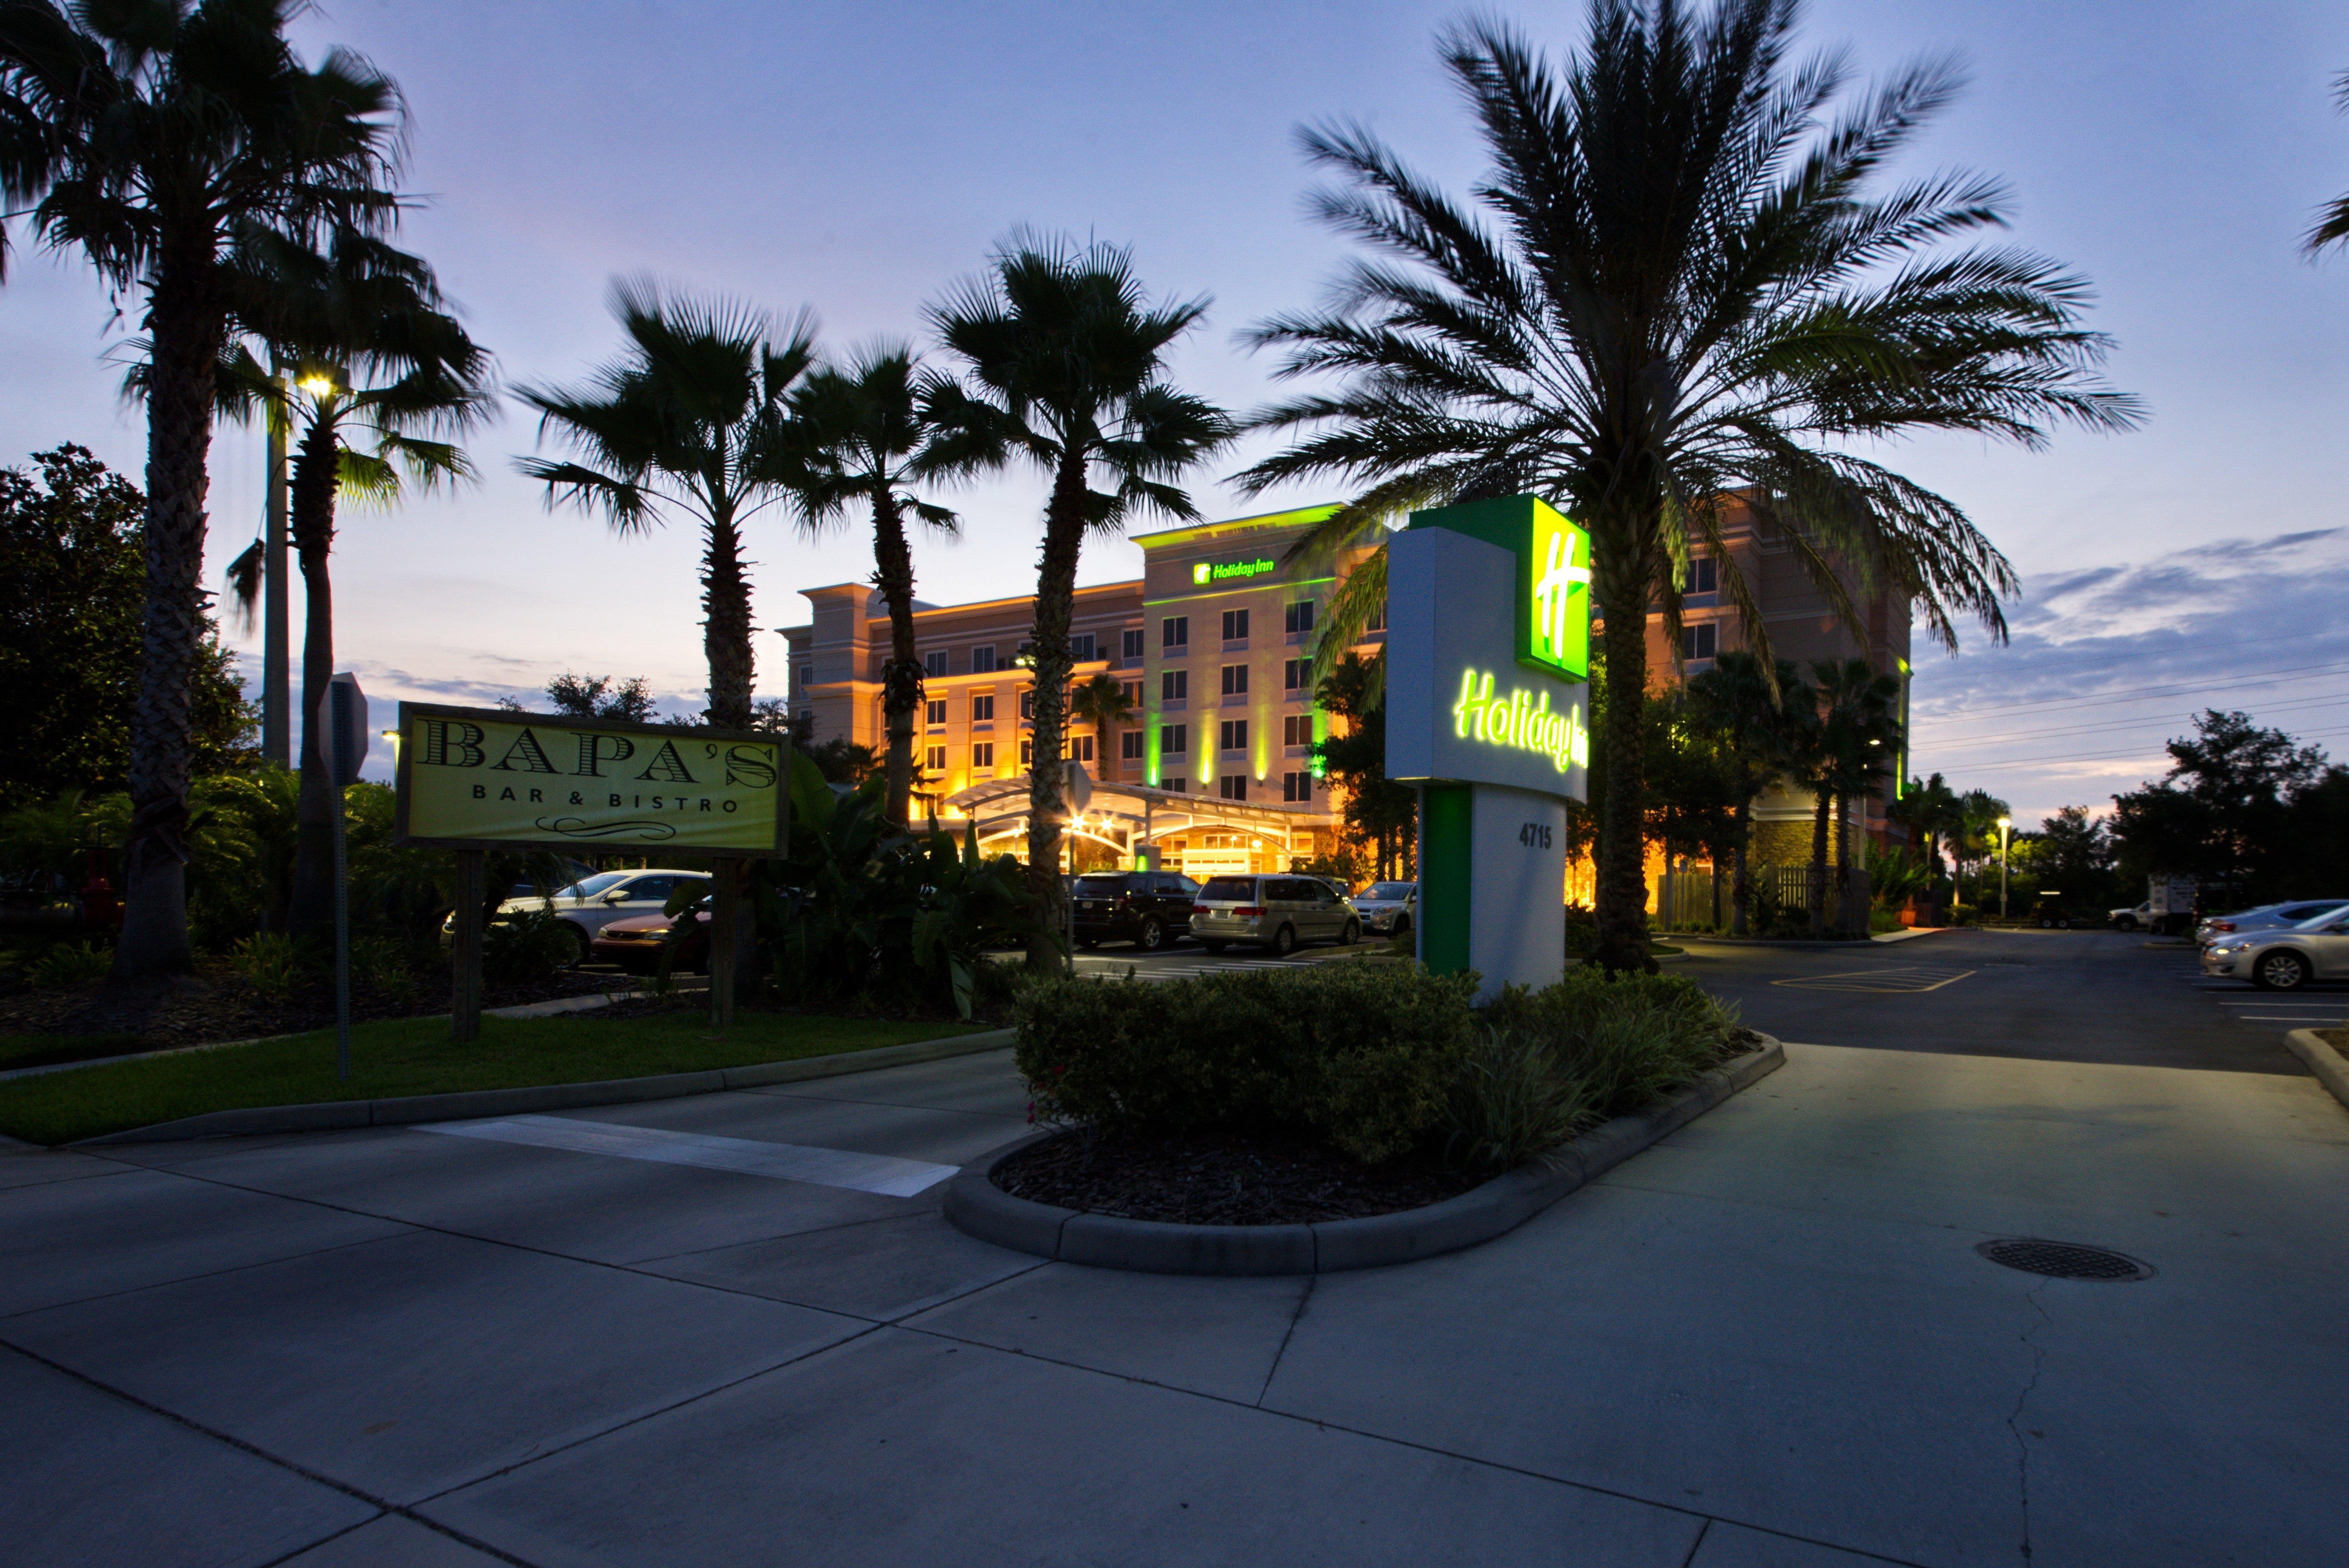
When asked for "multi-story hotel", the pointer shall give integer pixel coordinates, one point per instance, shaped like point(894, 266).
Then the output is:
point(1212, 645)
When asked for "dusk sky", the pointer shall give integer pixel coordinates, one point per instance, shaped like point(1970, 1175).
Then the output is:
point(857, 159)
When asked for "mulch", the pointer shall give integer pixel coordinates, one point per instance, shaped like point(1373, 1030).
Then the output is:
point(1221, 1178)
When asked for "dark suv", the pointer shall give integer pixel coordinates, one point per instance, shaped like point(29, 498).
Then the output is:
point(1149, 909)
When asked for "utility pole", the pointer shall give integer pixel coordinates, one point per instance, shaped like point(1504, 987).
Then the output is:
point(276, 685)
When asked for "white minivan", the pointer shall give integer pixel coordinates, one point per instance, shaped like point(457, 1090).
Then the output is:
point(588, 905)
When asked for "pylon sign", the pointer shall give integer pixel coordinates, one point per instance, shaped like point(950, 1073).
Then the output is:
point(1488, 654)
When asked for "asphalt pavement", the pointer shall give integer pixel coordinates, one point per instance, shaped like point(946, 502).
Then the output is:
point(736, 1329)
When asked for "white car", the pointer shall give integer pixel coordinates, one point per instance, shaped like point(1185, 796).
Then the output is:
point(2266, 917)
point(1388, 909)
point(2284, 958)
point(587, 906)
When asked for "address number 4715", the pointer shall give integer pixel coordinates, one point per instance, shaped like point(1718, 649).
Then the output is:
point(1535, 835)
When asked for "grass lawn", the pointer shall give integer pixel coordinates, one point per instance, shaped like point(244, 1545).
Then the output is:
point(415, 1055)
point(33, 1050)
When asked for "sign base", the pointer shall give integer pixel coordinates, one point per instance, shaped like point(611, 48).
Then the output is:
point(1493, 885)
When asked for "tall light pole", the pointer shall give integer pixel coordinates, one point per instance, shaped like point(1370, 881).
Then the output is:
point(2004, 824)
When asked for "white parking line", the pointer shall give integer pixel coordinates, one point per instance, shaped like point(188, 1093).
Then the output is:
point(881, 1173)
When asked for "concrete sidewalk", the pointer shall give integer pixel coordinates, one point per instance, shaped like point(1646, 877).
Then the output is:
point(1767, 1341)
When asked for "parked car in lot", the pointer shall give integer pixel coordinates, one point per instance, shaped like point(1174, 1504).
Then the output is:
point(2265, 917)
point(1149, 909)
point(587, 906)
point(635, 943)
point(2284, 958)
point(1272, 912)
point(1388, 909)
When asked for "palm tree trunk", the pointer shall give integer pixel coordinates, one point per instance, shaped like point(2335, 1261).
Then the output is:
point(1817, 888)
point(1056, 587)
point(187, 326)
point(901, 686)
point(1622, 891)
point(311, 913)
point(726, 625)
point(1843, 862)
point(1741, 892)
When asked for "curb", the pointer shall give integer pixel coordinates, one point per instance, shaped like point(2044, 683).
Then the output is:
point(977, 1207)
point(2325, 1062)
point(337, 1115)
point(1849, 945)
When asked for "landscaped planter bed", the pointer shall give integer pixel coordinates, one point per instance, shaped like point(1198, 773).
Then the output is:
point(1221, 1178)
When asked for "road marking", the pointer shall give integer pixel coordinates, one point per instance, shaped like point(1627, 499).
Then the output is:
point(1907, 980)
point(881, 1173)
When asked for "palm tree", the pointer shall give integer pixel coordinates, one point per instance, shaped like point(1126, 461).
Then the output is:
point(2332, 222)
point(1677, 291)
point(1977, 827)
point(1858, 732)
point(693, 419)
point(1101, 702)
point(160, 139)
point(1063, 365)
point(862, 427)
point(373, 354)
point(1746, 707)
point(1926, 808)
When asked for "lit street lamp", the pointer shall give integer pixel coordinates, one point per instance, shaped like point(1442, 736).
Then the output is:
point(2004, 824)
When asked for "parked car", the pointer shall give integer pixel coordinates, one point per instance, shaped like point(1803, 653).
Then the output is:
point(635, 943)
point(593, 902)
point(2284, 958)
point(1272, 912)
point(1149, 909)
point(2265, 917)
point(2138, 919)
point(1388, 909)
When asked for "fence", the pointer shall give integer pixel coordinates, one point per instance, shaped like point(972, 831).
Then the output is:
point(1703, 897)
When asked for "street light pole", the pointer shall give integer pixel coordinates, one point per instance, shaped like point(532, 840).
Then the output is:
point(2004, 824)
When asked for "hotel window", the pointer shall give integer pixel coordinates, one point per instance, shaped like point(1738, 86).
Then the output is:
point(1179, 785)
point(1130, 642)
point(1378, 621)
point(1699, 642)
point(807, 676)
point(1297, 729)
point(1704, 574)
point(1235, 735)
point(982, 708)
point(982, 660)
point(983, 754)
point(1173, 686)
point(1027, 754)
point(1081, 648)
point(1297, 617)
point(934, 663)
point(1294, 674)
point(1297, 789)
point(1028, 706)
point(1080, 748)
point(1130, 691)
point(1235, 625)
point(1129, 746)
point(1173, 739)
point(1232, 786)
point(936, 760)
point(1235, 680)
point(1175, 631)
point(934, 711)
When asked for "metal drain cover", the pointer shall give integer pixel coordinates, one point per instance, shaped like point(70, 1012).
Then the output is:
point(2064, 1260)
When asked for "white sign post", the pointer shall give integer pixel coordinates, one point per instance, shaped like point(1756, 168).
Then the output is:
point(1488, 713)
point(342, 721)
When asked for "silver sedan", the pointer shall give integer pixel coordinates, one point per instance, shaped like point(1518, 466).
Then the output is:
point(2284, 959)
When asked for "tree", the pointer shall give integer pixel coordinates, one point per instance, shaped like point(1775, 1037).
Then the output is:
point(1680, 294)
point(72, 582)
point(1063, 365)
point(2224, 811)
point(693, 419)
point(2333, 222)
point(628, 701)
point(2074, 856)
point(1746, 709)
point(1973, 836)
point(1101, 702)
point(1929, 810)
point(1859, 733)
point(161, 138)
point(378, 371)
point(1383, 814)
point(1692, 781)
point(862, 426)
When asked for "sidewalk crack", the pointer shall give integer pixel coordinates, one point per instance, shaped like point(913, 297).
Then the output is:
point(2015, 1417)
point(1294, 1319)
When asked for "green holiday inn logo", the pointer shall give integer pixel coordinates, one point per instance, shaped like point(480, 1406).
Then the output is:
point(1553, 609)
point(1207, 573)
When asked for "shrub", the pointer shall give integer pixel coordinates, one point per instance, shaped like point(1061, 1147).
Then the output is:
point(530, 945)
point(270, 963)
point(1364, 1056)
point(69, 964)
point(381, 963)
point(1512, 1102)
point(1624, 1038)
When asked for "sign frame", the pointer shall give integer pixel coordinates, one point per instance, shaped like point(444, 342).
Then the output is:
point(1524, 525)
point(405, 761)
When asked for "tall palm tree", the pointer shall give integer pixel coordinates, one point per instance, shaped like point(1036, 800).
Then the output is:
point(1063, 365)
point(693, 420)
point(1746, 707)
point(1858, 734)
point(1925, 807)
point(1101, 702)
point(378, 369)
point(1678, 288)
point(1977, 830)
point(159, 139)
point(862, 427)
point(2333, 222)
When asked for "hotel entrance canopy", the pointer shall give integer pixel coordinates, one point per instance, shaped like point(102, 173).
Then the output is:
point(1128, 817)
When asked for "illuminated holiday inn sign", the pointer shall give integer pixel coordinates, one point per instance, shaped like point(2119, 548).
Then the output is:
point(1206, 573)
point(477, 777)
point(1553, 589)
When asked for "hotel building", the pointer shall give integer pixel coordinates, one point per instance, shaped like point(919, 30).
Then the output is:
point(1212, 644)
